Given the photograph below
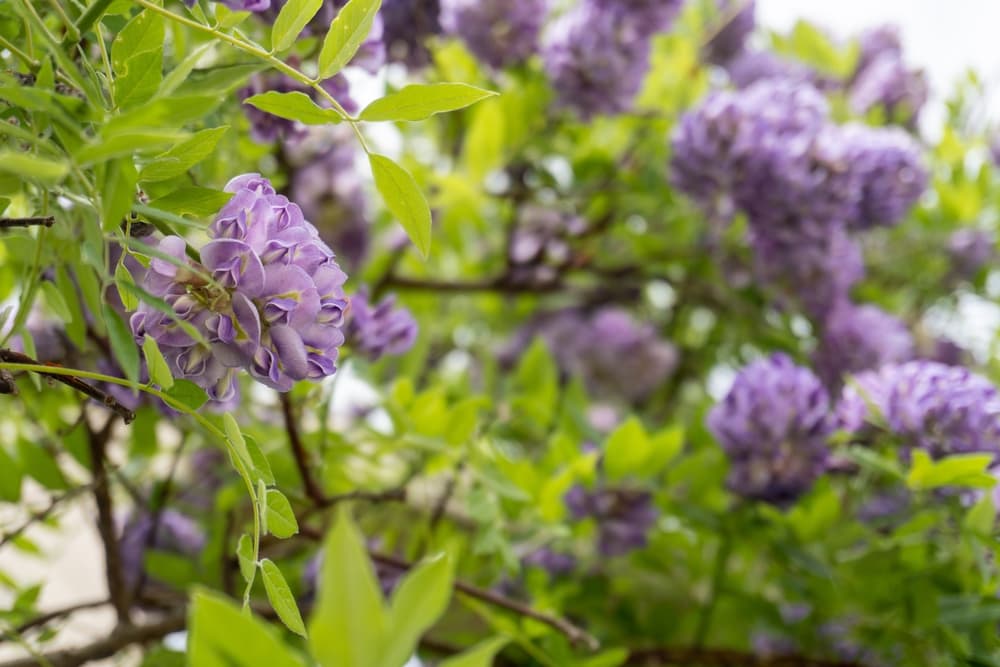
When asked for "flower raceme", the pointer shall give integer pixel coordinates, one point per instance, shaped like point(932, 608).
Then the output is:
point(267, 296)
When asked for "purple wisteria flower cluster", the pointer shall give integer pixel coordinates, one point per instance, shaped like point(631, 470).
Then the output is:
point(940, 409)
point(970, 250)
point(773, 425)
point(858, 338)
point(883, 80)
point(615, 356)
point(267, 296)
point(406, 26)
point(597, 54)
point(737, 22)
point(540, 244)
point(498, 32)
point(804, 182)
point(624, 517)
point(376, 330)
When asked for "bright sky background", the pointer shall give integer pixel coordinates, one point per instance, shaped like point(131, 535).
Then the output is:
point(945, 37)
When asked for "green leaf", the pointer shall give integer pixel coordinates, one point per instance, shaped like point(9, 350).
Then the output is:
point(143, 34)
point(969, 470)
point(56, 301)
point(224, 636)
point(40, 465)
point(419, 601)
point(346, 34)
point(179, 159)
point(261, 466)
point(159, 372)
point(421, 101)
point(235, 437)
point(220, 80)
point(118, 193)
point(193, 200)
point(180, 73)
point(281, 598)
point(244, 555)
point(404, 199)
point(292, 18)
point(348, 625)
point(10, 478)
point(128, 297)
point(981, 517)
point(32, 167)
point(480, 655)
point(127, 144)
point(122, 344)
point(627, 450)
point(139, 79)
point(280, 518)
point(187, 393)
point(295, 105)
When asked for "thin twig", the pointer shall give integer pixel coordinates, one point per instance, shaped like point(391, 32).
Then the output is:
point(106, 521)
point(312, 489)
point(49, 616)
point(54, 503)
point(122, 637)
point(109, 401)
point(33, 221)
point(575, 634)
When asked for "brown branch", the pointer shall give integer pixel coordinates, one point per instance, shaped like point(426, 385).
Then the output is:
point(54, 503)
point(34, 221)
point(502, 284)
point(109, 401)
point(313, 491)
point(312, 488)
point(97, 442)
point(575, 634)
point(707, 657)
point(49, 616)
point(122, 637)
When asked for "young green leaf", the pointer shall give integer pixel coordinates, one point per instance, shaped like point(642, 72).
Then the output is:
point(33, 167)
point(421, 598)
point(128, 296)
point(188, 394)
point(118, 192)
point(421, 101)
point(348, 624)
point(347, 32)
point(183, 156)
point(404, 199)
point(244, 556)
point(144, 33)
point(224, 636)
point(122, 343)
point(480, 655)
point(159, 372)
point(292, 18)
point(261, 466)
point(192, 200)
point(627, 450)
point(235, 437)
point(281, 598)
point(56, 301)
point(295, 105)
point(281, 520)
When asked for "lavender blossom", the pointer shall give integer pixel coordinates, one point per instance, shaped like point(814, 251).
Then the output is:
point(175, 533)
point(749, 67)
point(555, 563)
point(596, 64)
point(498, 32)
point(887, 83)
point(969, 251)
point(624, 517)
point(267, 297)
point(729, 40)
point(773, 425)
point(859, 338)
point(376, 330)
point(880, 41)
point(940, 409)
point(615, 356)
point(540, 245)
point(647, 17)
point(891, 172)
point(407, 25)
